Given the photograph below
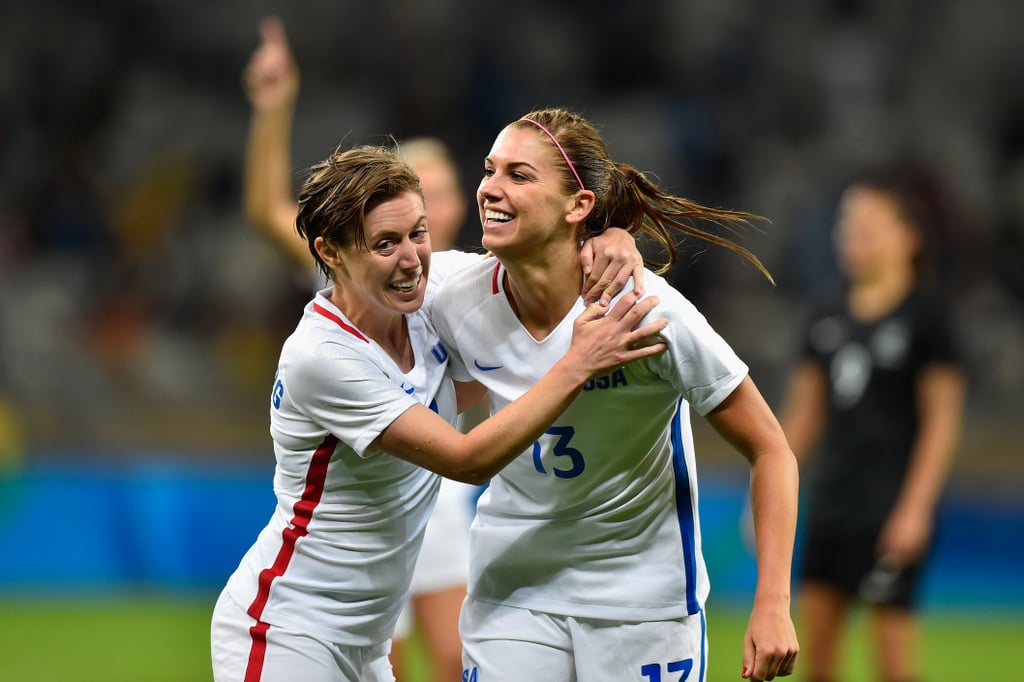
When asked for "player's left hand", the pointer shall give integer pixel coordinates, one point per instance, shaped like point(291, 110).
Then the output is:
point(608, 261)
point(905, 535)
point(770, 645)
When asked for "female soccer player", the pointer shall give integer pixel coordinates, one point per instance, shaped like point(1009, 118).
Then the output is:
point(880, 382)
point(361, 413)
point(438, 586)
point(439, 579)
point(585, 559)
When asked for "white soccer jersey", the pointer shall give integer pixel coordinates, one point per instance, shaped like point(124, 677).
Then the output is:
point(599, 518)
point(336, 557)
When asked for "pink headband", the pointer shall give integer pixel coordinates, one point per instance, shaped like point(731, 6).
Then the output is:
point(564, 155)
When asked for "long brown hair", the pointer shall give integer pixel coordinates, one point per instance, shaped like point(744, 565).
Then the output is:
point(625, 197)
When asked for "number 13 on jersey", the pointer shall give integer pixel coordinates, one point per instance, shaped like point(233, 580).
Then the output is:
point(573, 464)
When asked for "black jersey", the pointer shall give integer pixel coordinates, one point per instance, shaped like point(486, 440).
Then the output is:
point(871, 415)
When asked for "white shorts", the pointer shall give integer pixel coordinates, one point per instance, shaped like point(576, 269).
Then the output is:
point(508, 643)
point(444, 558)
point(281, 655)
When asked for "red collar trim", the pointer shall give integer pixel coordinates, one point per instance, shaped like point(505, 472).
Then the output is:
point(317, 308)
point(494, 280)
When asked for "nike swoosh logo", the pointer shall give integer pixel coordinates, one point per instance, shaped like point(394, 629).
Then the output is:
point(486, 368)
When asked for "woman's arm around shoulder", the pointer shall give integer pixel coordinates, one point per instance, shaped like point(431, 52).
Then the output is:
point(602, 339)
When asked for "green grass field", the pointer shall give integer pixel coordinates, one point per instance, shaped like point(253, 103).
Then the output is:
point(167, 640)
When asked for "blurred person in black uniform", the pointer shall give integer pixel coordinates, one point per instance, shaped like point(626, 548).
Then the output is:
point(880, 388)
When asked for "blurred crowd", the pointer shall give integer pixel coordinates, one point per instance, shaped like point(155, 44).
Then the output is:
point(139, 311)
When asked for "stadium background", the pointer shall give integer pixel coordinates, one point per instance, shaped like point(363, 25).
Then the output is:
point(140, 316)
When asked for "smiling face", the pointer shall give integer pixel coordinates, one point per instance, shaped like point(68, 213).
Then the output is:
point(520, 197)
point(389, 276)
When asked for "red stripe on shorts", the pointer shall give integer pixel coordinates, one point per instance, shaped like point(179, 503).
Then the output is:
point(298, 528)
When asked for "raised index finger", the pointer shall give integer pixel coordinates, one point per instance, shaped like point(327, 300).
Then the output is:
point(272, 31)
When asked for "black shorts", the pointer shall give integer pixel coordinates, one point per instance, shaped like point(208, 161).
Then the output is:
point(849, 562)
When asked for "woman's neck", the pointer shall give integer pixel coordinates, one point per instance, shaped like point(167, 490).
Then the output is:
point(390, 332)
point(543, 293)
point(874, 298)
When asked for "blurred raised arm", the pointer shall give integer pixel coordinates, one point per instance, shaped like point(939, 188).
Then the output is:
point(271, 82)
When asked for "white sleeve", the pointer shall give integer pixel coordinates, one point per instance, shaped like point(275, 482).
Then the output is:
point(444, 264)
point(699, 363)
point(347, 393)
point(445, 322)
point(442, 324)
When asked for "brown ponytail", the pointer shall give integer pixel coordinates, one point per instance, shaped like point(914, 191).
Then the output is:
point(626, 198)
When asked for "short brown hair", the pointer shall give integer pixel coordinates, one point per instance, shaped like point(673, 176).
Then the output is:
point(339, 191)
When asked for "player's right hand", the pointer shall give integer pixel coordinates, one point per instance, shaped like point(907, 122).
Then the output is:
point(271, 78)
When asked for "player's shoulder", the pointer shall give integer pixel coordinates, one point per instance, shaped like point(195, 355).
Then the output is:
point(463, 267)
point(657, 285)
point(447, 264)
point(453, 260)
point(930, 314)
point(324, 331)
point(928, 301)
point(672, 302)
point(469, 284)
